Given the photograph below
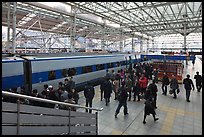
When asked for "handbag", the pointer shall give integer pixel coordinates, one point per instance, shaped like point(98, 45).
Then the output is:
point(178, 90)
point(171, 91)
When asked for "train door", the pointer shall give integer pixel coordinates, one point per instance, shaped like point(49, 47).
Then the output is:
point(28, 76)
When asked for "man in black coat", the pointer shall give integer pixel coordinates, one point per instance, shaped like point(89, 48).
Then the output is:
point(188, 85)
point(122, 98)
point(107, 90)
point(149, 109)
point(198, 79)
point(165, 83)
point(89, 93)
point(102, 80)
point(153, 91)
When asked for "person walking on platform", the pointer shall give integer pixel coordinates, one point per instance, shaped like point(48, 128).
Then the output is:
point(136, 89)
point(188, 85)
point(155, 74)
point(149, 109)
point(165, 83)
point(122, 98)
point(102, 86)
point(174, 85)
point(89, 93)
point(198, 79)
point(153, 91)
point(107, 90)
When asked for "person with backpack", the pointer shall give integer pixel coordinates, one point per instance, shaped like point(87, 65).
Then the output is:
point(122, 98)
point(165, 83)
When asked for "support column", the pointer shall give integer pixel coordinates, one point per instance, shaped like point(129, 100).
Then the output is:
point(8, 28)
point(153, 45)
point(141, 45)
point(121, 41)
point(73, 29)
point(133, 44)
point(14, 27)
point(103, 39)
point(147, 45)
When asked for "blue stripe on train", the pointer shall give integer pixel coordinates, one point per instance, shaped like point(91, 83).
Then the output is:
point(12, 82)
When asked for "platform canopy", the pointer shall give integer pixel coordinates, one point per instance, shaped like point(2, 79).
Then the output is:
point(108, 19)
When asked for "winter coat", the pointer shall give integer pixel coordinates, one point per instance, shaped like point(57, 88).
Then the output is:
point(188, 84)
point(143, 82)
point(122, 95)
point(174, 83)
point(165, 80)
point(107, 89)
point(149, 109)
point(89, 92)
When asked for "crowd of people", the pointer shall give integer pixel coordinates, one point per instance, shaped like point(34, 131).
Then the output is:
point(140, 80)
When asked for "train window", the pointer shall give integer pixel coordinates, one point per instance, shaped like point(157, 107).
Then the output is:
point(52, 75)
point(71, 72)
point(100, 67)
point(110, 65)
point(64, 73)
point(124, 63)
point(86, 69)
point(117, 64)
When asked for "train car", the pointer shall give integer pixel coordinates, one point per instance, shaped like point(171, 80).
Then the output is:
point(37, 71)
point(12, 72)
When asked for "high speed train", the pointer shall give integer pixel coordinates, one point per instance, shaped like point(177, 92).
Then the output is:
point(33, 72)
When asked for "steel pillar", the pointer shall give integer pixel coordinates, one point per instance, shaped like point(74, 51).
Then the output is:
point(14, 27)
point(8, 28)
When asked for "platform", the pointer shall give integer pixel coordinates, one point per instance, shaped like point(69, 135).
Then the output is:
point(176, 116)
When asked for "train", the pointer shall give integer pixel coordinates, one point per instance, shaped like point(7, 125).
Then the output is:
point(32, 72)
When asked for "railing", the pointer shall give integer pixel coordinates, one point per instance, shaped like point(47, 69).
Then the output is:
point(20, 119)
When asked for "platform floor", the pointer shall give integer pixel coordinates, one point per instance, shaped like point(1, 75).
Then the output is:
point(176, 116)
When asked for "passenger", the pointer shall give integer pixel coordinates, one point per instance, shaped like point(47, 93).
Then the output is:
point(198, 79)
point(102, 87)
point(174, 85)
point(52, 95)
point(108, 75)
point(136, 90)
point(128, 83)
point(75, 96)
point(165, 83)
point(153, 91)
point(107, 90)
point(149, 109)
point(188, 85)
point(155, 74)
point(63, 94)
point(116, 87)
point(60, 90)
point(71, 101)
point(67, 85)
point(10, 98)
point(45, 91)
point(89, 93)
point(35, 94)
point(143, 84)
point(122, 98)
point(72, 84)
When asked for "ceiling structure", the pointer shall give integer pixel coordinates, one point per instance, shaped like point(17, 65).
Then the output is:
point(148, 18)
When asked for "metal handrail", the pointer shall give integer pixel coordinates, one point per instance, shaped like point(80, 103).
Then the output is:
point(6, 93)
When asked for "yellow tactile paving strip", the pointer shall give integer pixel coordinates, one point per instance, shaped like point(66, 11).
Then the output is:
point(170, 117)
